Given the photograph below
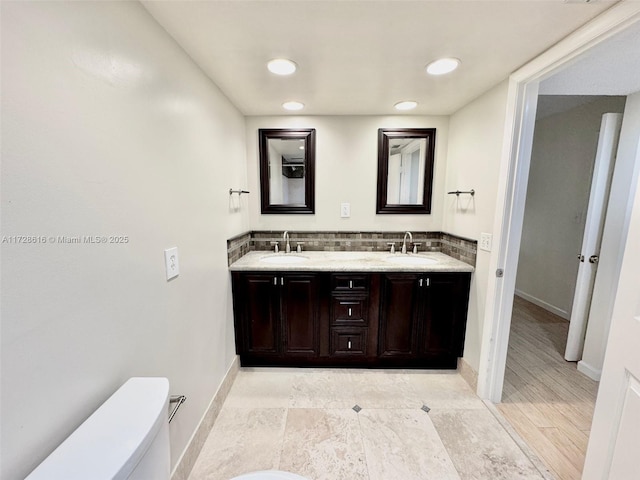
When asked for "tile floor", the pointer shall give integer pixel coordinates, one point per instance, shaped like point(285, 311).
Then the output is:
point(303, 421)
point(548, 402)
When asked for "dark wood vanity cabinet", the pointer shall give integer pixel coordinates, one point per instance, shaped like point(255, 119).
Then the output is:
point(423, 318)
point(276, 315)
point(344, 319)
point(349, 315)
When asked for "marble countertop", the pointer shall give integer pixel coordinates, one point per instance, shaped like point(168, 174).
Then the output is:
point(347, 262)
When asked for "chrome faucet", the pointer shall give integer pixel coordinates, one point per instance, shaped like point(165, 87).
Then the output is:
point(404, 241)
point(285, 237)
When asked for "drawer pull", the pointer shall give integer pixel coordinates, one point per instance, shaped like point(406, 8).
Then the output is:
point(349, 312)
point(275, 280)
point(281, 280)
point(350, 283)
point(349, 344)
point(420, 282)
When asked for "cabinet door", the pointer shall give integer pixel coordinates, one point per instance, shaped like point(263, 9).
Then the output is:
point(398, 315)
point(300, 306)
point(260, 319)
point(445, 312)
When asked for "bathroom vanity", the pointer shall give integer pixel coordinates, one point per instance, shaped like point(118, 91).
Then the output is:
point(357, 309)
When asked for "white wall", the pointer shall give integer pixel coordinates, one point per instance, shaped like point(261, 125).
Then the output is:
point(346, 171)
point(475, 146)
point(616, 226)
point(108, 128)
point(562, 159)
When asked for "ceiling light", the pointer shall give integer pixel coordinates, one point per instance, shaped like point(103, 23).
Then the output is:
point(301, 147)
point(442, 66)
point(406, 105)
point(293, 105)
point(281, 66)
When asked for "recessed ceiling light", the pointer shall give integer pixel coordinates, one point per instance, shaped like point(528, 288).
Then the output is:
point(406, 105)
point(442, 66)
point(281, 66)
point(293, 105)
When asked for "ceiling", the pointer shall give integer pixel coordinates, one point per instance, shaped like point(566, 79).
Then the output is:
point(362, 57)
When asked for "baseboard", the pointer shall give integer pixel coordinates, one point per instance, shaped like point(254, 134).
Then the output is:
point(190, 455)
point(467, 372)
point(542, 304)
point(589, 371)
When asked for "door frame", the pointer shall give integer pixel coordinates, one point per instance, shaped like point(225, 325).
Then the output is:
point(521, 105)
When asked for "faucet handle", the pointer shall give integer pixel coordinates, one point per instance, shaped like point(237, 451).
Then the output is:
point(298, 246)
point(276, 246)
point(393, 247)
point(415, 247)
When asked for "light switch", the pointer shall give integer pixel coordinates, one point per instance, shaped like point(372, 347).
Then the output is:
point(485, 242)
point(345, 210)
point(171, 262)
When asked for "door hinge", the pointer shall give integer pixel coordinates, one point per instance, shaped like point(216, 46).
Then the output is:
point(499, 273)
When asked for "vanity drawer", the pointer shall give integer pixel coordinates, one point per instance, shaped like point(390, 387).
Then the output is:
point(349, 309)
point(350, 282)
point(348, 341)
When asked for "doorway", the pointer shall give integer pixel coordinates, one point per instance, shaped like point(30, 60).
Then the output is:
point(545, 398)
point(560, 199)
point(600, 51)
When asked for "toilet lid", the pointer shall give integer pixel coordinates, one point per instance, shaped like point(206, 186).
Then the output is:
point(269, 475)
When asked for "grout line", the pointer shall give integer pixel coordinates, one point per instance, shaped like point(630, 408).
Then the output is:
point(364, 449)
point(284, 432)
point(529, 453)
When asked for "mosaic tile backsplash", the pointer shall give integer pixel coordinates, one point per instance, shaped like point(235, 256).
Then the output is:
point(459, 248)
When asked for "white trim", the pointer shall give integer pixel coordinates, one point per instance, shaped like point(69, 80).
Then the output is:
point(513, 181)
point(589, 371)
point(542, 304)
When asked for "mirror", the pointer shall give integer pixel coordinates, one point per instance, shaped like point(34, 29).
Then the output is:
point(287, 163)
point(405, 170)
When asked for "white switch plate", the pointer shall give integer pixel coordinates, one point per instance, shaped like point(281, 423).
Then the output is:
point(171, 262)
point(345, 210)
point(485, 242)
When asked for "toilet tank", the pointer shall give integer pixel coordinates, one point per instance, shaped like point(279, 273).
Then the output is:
point(126, 438)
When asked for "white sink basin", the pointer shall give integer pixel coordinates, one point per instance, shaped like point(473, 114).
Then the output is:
point(410, 260)
point(283, 259)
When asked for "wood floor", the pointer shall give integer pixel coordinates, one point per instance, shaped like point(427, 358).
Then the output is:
point(547, 401)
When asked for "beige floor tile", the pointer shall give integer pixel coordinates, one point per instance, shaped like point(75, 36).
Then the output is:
point(242, 440)
point(443, 390)
point(323, 389)
point(480, 448)
point(323, 444)
point(404, 444)
point(373, 389)
point(261, 389)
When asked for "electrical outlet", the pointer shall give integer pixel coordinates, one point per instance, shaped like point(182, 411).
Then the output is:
point(485, 242)
point(171, 262)
point(345, 210)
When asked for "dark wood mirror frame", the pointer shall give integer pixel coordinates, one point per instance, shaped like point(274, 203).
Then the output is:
point(384, 135)
point(309, 137)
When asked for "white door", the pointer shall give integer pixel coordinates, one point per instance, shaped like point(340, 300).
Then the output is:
point(614, 443)
point(594, 224)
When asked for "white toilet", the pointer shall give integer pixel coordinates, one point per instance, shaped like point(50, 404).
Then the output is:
point(126, 438)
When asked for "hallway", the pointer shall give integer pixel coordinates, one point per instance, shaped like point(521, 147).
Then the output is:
point(548, 402)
